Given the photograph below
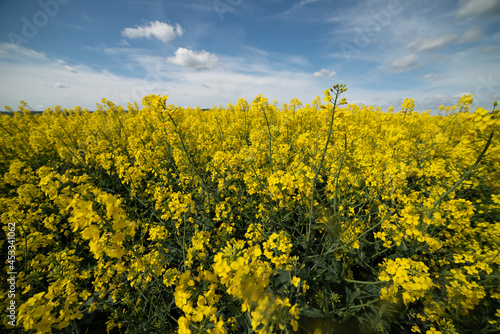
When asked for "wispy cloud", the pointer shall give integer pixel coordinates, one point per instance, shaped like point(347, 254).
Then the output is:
point(70, 69)
point(434, 77)
point(405, 62)
point(296, 10)
point(197, 60)
point(471, 35)
point(17, 52)
point(490, 49)
point(423, 44)
point(471, 8)
point(57, 85)
point(123, 42)
point(428, 44)
point(159, 30)
point(305, 2)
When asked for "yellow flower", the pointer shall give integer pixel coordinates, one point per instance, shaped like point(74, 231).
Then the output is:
point(305, 287)
point(91, 232)
point(184, 324)
point(408, 105)
point(433, 331)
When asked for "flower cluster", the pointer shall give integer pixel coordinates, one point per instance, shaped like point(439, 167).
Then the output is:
point(411, 277)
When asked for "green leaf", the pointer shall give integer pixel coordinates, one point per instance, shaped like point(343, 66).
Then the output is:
point(312, 313)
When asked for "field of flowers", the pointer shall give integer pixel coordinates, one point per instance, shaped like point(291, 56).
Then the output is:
point(333, 218)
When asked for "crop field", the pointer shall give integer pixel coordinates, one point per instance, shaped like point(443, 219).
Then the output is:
point(328, 217)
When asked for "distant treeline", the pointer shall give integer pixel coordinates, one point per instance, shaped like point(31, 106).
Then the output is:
point(11, 113)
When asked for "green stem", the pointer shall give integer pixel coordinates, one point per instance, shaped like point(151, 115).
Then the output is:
point(362, 282)
point(338, 174)
point(339, 89)
point(202, 180)
point(270, 141)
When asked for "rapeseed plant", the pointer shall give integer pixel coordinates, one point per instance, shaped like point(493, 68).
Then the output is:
point(253, 218)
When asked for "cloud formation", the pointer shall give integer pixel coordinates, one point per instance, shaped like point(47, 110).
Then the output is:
point(324, 73)
point(197, 60)
point(159, 30)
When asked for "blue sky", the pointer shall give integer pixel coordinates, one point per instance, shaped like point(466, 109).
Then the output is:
point(213, 52)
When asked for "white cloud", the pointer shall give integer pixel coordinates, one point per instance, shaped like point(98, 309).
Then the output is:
point(159, 30)
point(428, 44)
point(123, 43)
point(298, 11)
point(297, 60)
point(434, 77)
point(12, 51)
point(422, 44)
point(471, 8)
point(71, 69)
point(490, 49)
point(198, 60)
point(57, 85)
point(471, 35)
point(324, 73)
point(305, 2)
point(405, 62)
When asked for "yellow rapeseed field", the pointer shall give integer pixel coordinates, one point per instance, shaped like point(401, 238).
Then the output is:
point(333, 218)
